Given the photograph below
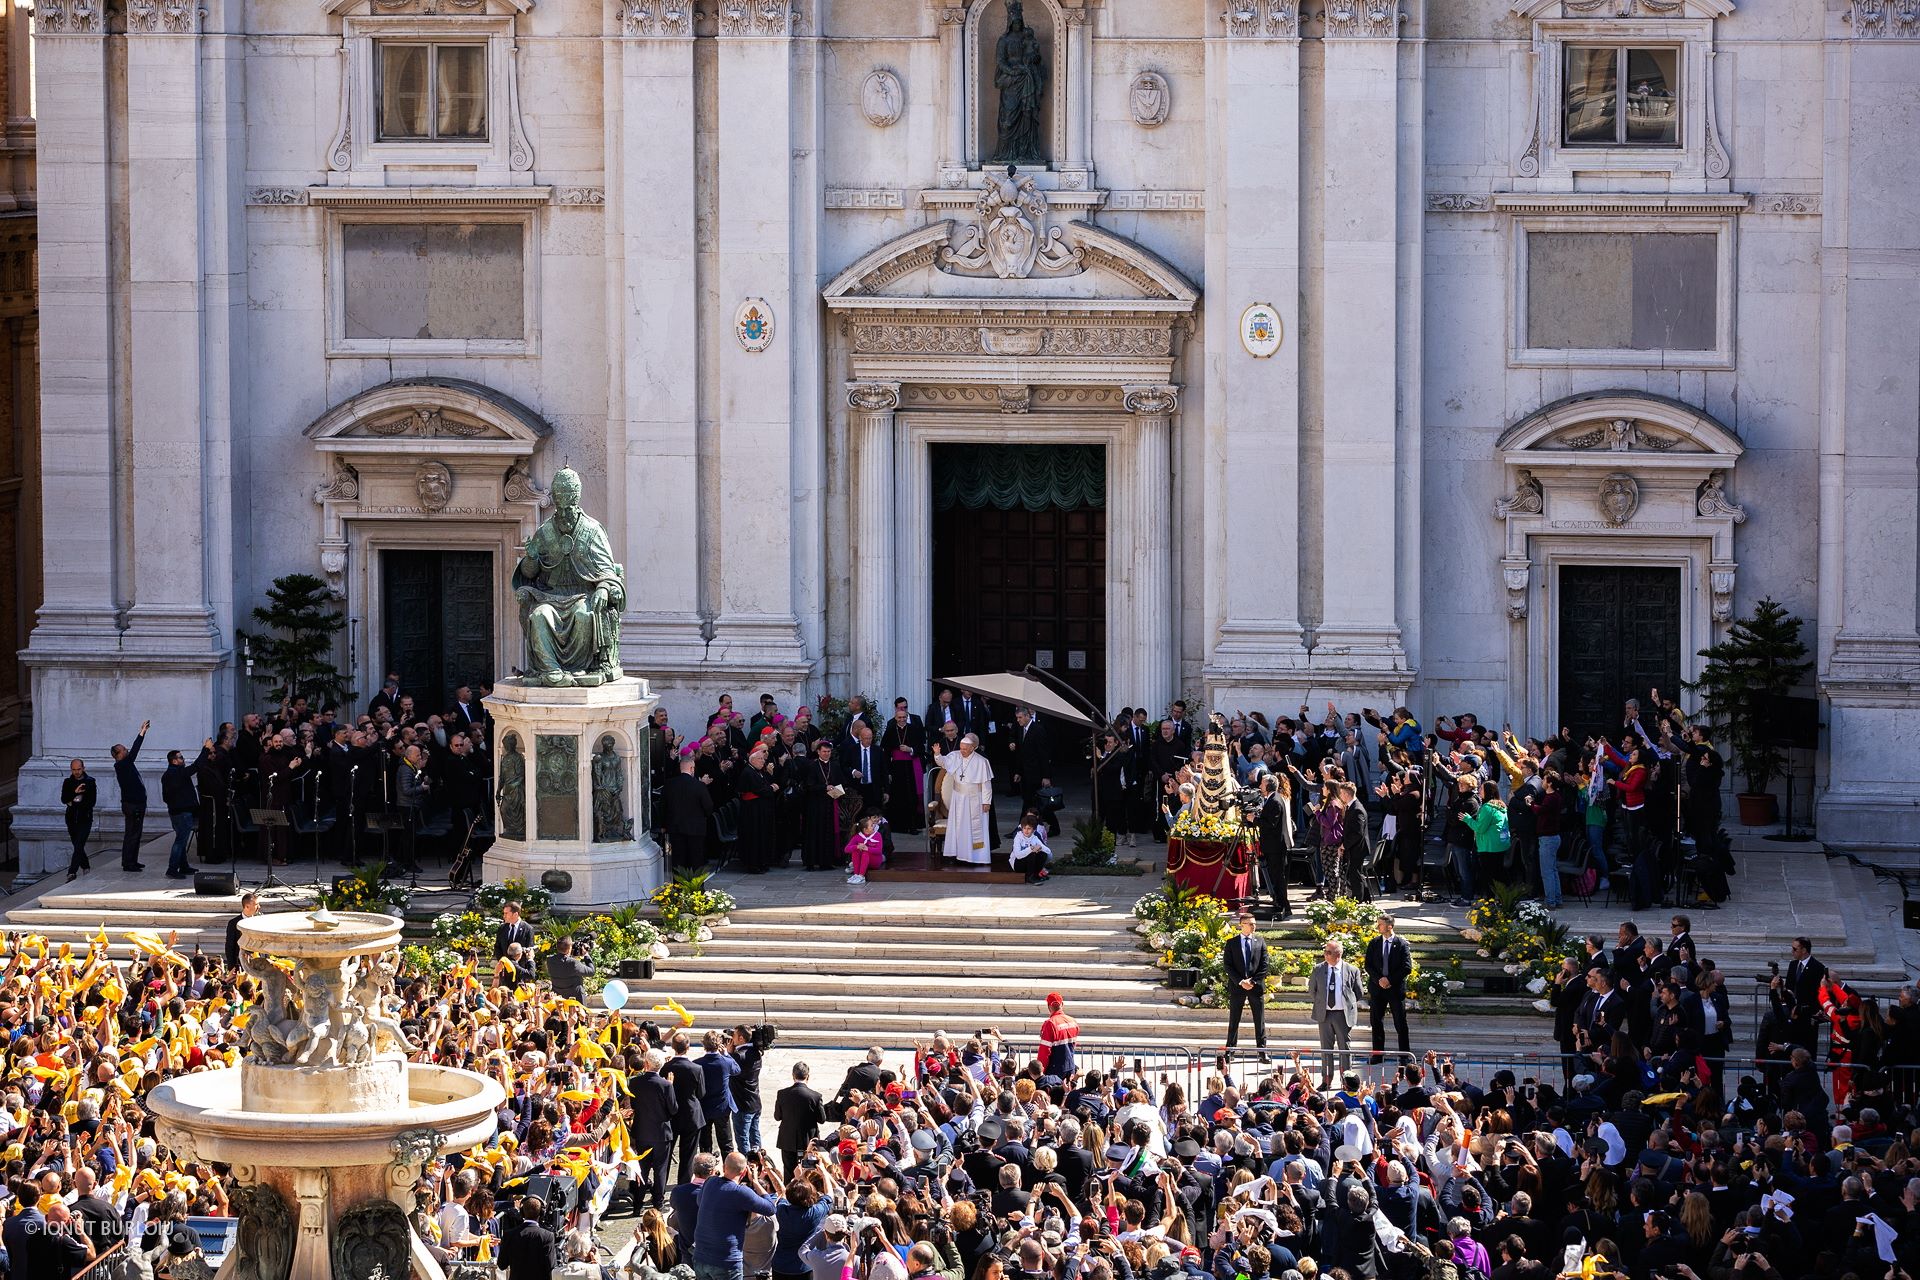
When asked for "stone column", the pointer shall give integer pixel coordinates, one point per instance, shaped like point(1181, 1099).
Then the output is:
point(870, 408)
point(953, 55)
point(1358, 642)
point(654, 347)
point(1252, 405)
point(748, 503)
point(1079, 47)
point(1869, 614)
point(166, 204)
point(1147, 659)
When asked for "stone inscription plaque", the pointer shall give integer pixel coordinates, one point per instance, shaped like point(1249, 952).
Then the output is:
point(435, 280)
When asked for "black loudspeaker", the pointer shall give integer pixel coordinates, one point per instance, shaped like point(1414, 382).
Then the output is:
point(1910, 912)
point(214, 884)
point(1794, 722)
point(640, 970)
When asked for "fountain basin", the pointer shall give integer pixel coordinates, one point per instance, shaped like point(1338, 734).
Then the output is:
point(203, 1113)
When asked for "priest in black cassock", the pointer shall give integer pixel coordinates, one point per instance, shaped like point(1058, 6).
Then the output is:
point(819, 779)
point(904, 747)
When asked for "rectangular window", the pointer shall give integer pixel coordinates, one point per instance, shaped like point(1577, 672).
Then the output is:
point(431, 92)
point(434, 281)
point(1632, 291)
point(1616, 96)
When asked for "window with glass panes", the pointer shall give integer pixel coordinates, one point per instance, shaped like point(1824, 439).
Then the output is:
point(1620, 96)
point(431, 92)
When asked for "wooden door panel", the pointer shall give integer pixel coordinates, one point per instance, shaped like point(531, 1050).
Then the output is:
point(1619, 638)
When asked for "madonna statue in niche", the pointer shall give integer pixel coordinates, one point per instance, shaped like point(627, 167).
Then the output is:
point(1020, 73)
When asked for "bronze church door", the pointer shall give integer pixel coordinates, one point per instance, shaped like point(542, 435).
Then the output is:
point(1020, 562)
point(1619, 639)
point(438, 610)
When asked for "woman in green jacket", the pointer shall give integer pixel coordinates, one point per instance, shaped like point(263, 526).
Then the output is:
point(1491, 838)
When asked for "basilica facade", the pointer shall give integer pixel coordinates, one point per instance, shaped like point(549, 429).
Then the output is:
point(1477, 355)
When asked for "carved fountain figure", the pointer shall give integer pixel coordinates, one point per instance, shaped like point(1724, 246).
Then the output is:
point(325, 1122)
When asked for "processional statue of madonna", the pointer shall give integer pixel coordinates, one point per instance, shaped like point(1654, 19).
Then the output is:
point(571, 592)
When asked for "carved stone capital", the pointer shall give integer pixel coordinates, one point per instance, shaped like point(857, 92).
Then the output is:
point(953, 15)
point(1363, 18)
point(1262, 19)
point(757, 18)
point(162, 17)
point(666, 18)
point(873, 397)
point(1151, 400)
point(69, 18)
point(1885, 18)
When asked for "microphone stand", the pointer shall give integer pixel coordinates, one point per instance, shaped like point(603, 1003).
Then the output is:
point(273, 880)
point(314, 780)
point(353, 830)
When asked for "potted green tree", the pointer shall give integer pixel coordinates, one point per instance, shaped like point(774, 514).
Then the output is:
point(1762, 660)
point(299, 660)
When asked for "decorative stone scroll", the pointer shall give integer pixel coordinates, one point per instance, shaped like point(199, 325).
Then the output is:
point(1713, 500)
point(1526, 498)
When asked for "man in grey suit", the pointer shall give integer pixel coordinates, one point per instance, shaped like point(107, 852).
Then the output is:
point(1337, 993)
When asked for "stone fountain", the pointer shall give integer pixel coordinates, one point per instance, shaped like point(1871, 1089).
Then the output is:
point(325, 1124)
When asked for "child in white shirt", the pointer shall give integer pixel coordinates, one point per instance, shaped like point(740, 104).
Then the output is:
point(1030, 852)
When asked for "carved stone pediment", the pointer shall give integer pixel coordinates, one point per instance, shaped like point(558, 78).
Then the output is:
point(430, 417)
point(936, 261)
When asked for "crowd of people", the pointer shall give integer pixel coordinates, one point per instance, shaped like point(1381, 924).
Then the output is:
point(360, 788)
point(1642, 1151)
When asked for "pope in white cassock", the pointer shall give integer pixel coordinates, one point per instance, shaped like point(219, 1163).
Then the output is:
point(968, 787)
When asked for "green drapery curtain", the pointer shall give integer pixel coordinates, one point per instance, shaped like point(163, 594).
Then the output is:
point(1034, 476)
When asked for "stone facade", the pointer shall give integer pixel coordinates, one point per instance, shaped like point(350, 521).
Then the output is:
point(743, 263)
point(19, 383)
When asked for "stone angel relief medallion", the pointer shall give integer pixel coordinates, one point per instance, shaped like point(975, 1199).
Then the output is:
point(882, 98)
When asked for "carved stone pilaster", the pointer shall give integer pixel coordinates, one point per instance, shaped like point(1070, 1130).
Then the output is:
point(68, 18)
point(1262, 19)
point(1363, 18)
point(656, 18)
point(1517, 573)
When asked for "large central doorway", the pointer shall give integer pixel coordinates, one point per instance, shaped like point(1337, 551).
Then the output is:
point(1020, 561)
point(1619, 639)
point(438, 609)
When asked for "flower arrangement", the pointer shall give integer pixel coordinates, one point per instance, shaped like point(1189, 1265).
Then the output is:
point(534, 901)
point(1347, 919)
point(1217, 828)
point(1494, 922)
point(1434, 989)
point(609, 938)
point(366, 889)
point(1187, 929)
point(689, 909)
point(460, 932)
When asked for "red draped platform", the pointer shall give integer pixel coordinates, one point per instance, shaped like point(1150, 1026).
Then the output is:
point(1215, 867)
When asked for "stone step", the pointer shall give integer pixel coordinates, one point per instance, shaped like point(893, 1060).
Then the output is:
point(841, 1029)
point(740, 940)
point(949, 933)
point(957, 963)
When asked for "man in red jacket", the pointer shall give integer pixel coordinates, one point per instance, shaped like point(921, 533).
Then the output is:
point(1057, 1036)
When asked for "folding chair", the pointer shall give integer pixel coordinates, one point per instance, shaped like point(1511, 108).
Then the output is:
point(1577, 867)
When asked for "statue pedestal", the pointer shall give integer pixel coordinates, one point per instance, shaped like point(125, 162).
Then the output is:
point(571, 782)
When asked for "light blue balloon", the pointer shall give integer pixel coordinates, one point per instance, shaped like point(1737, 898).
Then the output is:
point(616, 995)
